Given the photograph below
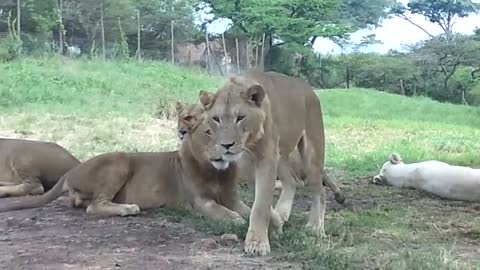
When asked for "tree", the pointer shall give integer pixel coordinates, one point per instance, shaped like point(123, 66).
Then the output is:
point(292, 26)
point(440, 60)
point(156, 18)
point(441, 12)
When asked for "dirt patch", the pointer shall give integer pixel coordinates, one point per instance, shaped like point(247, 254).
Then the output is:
point(59, 237)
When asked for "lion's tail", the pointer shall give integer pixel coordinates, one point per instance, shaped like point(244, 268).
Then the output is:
point(37, 201)
point(338, 193)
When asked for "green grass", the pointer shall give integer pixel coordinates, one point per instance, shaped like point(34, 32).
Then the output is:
point(107, 89)
point(96, 107)
point(364, 127)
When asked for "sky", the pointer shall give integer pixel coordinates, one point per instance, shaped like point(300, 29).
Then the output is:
point(394, 33)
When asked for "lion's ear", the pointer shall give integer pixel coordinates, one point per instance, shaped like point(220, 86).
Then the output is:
point(178, 106)
point(395, 158)
point(255, 94)
point(206, 98)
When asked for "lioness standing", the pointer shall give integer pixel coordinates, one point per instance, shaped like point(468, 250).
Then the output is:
point(267, 114)
point(31, 167)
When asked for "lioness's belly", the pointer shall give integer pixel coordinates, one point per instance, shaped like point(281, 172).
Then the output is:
point(148, 191)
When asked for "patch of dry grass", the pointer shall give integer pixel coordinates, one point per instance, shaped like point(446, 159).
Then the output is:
point(87, 137)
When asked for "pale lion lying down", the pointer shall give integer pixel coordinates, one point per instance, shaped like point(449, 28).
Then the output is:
point(436, 177)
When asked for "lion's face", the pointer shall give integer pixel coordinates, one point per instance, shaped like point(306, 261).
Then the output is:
point(188, 116)
point(234, 119)
point(381, 178)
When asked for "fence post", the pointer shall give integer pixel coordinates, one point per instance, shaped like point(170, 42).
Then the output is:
point(207, 60)
point(348, 77)
point(138, 53)
point(173, 42)
point(256, 55)
point(247, 53)
point(18, 20)
point(225, 53)
point(60, 27)
point(103, 29)
point(238, 56)
point(262, 61)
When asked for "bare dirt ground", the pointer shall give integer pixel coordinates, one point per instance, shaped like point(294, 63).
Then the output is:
point(59, 237)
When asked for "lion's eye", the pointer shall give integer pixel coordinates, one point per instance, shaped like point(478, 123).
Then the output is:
point(240, 118)
point(216, 119)
point(208, 132)
point(188, 118)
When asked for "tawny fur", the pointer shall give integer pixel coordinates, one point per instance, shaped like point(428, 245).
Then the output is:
point(123, 183)
point(268, 114)
point(31, 167)
point(189, 114)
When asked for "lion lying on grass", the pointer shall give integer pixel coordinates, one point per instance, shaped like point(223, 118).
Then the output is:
point(435, 177)
point(191, 113)
point(123, 183)
point(31, 167)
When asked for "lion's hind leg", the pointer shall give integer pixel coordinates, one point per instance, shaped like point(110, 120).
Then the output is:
point(29, 186)
point(314, 158)
point(107, 181)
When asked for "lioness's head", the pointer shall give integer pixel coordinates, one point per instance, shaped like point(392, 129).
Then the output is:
point(235, 118)
point(197, 141)
point(189, 116)
point(381, 177)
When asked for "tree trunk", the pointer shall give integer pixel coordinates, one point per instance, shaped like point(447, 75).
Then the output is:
point(464, 100)
point(402, 88)
point(172, 36)
point(207, 59)
point(102, 29)
point(139, 33)
point(225, 53)
point(262, 60)
point(60, 27)
point(238, 55)
point(348, 77)
point(18, 20)
point(247, 54)
point(256, 56)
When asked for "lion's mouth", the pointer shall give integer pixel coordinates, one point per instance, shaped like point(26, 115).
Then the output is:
point(220, 163)
point(229, 156)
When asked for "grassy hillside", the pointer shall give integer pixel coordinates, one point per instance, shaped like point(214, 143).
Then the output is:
point(96, 89)
point(96, 107)
point(363, 126)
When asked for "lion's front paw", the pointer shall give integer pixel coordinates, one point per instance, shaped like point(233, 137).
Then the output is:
point(255, 245)
point(130, 209)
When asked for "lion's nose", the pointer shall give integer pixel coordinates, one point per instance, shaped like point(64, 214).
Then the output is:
point(228, 145)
